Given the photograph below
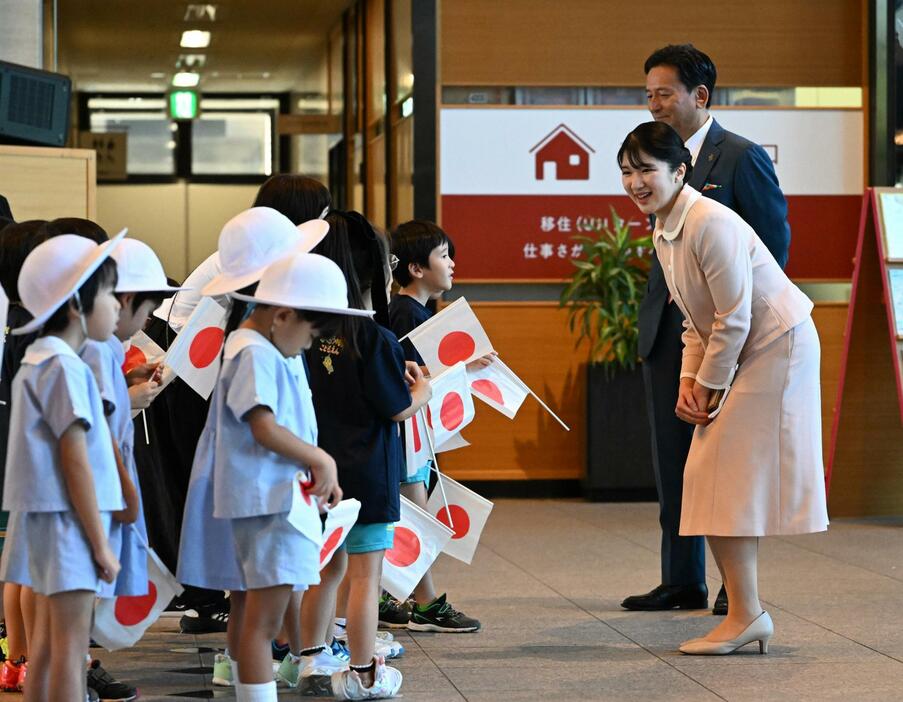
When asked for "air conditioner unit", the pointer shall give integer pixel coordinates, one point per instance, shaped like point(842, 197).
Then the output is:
point(34, 106)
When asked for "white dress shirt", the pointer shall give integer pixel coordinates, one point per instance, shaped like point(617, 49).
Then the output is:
point(694, 143)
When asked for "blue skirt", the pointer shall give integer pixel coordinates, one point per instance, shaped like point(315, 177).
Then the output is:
point(206, 548)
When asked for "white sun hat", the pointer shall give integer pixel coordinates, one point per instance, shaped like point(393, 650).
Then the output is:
point(255, 238)
point(139, 269)
point(304, 281)
point(54, 271)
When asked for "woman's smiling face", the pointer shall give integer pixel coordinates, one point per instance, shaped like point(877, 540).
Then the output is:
point(650, 183)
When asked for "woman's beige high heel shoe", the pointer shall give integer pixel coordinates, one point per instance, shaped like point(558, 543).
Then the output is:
point(761, 629)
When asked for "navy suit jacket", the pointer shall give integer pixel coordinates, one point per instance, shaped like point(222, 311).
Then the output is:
point(745, 181)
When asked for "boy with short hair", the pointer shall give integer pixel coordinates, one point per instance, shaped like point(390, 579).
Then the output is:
point(424, 268)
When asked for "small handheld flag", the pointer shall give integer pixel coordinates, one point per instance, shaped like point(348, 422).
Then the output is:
point(194, 355)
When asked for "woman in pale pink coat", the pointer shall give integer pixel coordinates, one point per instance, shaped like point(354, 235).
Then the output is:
point(749, 380)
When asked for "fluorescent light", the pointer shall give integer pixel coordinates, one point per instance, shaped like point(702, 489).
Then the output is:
point(186, 80)
point(195, 39)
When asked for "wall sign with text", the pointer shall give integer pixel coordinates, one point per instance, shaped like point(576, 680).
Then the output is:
point(518, 183)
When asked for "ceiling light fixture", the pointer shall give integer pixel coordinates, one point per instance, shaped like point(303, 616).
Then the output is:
point(195, 39)
point(200, 12)
point(185, 79)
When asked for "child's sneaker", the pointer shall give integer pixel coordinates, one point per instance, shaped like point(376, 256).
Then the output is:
point(23, 674)
point(347, 684)
point(340, 650)
point(388, 649)
point(288, 670)
point(222, 670)
point(440, 616)
point(9, 675)
point(279, 651)
point(315, 679)
point(340, 631)
point(107, 687)
point(393, 614)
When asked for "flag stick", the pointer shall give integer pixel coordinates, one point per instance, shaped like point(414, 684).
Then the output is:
point(429, 439)
point(146, 434)
point(546, 408)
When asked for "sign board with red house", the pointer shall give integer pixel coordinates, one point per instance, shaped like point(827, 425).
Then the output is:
point(566, 152)
point(513, 199)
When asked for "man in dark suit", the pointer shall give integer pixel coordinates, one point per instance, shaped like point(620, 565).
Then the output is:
point(739, 174)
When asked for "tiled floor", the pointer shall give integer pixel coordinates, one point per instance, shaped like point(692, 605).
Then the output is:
point(546, 583)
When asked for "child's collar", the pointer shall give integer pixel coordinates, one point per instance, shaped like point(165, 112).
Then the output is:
point(46, 347)
point(241, 339)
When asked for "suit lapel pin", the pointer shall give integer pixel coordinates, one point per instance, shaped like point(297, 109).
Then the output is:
point(711, 157)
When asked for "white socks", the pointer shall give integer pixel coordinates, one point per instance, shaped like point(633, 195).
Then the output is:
point(256, 692)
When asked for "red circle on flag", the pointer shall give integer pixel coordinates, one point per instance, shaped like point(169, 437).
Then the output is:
point(303, 488)
point(205, 346)
point(131, 610)
point(489, 389)
point(134, 357)
point(452, 412)
point(456, 346)
point(459, 518)
point(406, 549)
point(416, 431)
point(331, 542)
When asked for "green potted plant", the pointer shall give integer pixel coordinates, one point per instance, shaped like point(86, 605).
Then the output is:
point(603, 298)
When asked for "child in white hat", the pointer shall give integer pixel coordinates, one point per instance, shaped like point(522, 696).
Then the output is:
point(62, 484)
point(140, 289)
point(266, 431)
point(248, 243)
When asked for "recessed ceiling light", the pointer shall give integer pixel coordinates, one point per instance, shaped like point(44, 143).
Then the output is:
point(157, 75)
point(186, 80)
point(200, 12)
point(195, 39)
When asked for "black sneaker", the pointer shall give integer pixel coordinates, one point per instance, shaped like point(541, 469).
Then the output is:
point(279, 652)
point(393, 614)
point(442, 617)
point(108, 689)
point(210, 619)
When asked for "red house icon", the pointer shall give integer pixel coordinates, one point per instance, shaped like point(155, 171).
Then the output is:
point(563, 155)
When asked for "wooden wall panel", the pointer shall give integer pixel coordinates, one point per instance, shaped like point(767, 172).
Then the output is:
point(605, 42)
point(532, 338)
point(49, 183)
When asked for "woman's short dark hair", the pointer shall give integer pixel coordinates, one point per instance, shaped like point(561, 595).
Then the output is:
point(661, 142)
point(413, 242)
point(298, 197)
point(16, 242)
point(87, 294)
point(82, 227)
point(694, 68)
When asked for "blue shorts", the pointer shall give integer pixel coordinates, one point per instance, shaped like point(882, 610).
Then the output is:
point(272, 552)
point(366, 538)
point(421, 476)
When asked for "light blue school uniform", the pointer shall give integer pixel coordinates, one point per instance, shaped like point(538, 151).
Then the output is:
point(105, 358)
point(252, 485)
point(54, 389)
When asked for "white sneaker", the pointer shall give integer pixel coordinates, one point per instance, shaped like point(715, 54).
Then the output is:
point(316, 673)
point(347, 685)
point(388, 649)
point(340, 631)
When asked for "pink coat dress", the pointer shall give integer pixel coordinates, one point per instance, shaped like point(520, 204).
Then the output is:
point(757, 469)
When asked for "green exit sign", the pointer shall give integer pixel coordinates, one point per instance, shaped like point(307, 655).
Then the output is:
point(183, 104)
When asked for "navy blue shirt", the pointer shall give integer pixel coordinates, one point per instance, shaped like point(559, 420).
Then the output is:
point(354, 400)
point(405, 315)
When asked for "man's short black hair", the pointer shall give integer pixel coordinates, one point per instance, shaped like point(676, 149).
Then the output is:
point(140, 298)
point(413, 242)
point(694, 68)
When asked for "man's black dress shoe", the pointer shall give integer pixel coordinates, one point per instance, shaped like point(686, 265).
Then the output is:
point(669, 597)
point(720, 608)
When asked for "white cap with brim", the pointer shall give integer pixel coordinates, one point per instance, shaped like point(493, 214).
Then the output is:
point(256, 238)
point(54, 271)
point(139, 270)
point(304, 281)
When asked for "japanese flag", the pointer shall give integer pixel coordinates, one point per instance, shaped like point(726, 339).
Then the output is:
point(452, 336)
point(339, 521)
point(469, 513)
point(142, 349)
point(305, 512)
point(416, 445)
point(451, 407)
point(119, 622)
point(455, 442)
point(498, 387)
point(419, 538)
point(194, 356)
